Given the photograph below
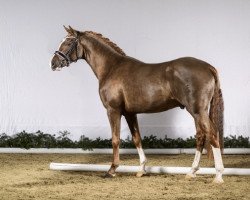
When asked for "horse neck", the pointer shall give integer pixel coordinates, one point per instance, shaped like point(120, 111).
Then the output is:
point(99, 56)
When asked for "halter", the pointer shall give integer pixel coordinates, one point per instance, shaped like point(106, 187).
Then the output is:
point(65, 56)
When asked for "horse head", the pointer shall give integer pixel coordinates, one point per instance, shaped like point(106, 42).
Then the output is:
point(70, 50)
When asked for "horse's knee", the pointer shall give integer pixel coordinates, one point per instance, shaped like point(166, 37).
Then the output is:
point(115, 142)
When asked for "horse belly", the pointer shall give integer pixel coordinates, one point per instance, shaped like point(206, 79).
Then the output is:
point(148, 99)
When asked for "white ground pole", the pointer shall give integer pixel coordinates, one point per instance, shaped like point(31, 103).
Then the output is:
point(149, 169)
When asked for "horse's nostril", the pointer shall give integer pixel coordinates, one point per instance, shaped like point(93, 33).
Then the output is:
point(53, 67)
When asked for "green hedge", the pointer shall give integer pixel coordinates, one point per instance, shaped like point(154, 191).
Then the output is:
point(44, 140)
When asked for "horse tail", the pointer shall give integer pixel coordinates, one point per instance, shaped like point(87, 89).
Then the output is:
point(216, 113)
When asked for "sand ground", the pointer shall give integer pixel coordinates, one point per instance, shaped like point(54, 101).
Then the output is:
point(27, 176)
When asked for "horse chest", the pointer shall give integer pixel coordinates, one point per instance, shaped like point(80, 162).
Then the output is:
point(111, 95)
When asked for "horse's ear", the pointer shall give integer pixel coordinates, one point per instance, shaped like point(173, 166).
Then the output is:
point(71, 28)
point(71, 31)
point(66, 29)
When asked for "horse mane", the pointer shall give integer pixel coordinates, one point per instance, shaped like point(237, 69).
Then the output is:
point(107, 41)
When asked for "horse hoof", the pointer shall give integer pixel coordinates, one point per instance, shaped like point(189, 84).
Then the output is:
point(141, 173)
point(108, 175)
point(218, 181)
point(190, 176)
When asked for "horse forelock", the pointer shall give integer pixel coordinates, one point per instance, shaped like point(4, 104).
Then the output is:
point(107, 41)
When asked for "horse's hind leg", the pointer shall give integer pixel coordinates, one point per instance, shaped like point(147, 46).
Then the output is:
point(134, 128)
point(211, 132)
point(205, 128)
point(214, 141)
point(200, 142)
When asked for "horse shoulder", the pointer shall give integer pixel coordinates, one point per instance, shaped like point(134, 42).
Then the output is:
point(110, 92)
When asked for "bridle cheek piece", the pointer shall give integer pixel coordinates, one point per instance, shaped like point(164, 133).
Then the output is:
point(66, 56)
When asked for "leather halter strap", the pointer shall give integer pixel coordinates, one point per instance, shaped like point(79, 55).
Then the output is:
point(65, 56)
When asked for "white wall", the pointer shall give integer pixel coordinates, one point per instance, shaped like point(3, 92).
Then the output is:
point(33, 97)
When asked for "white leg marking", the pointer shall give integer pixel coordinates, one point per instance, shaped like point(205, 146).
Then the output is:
point(195, 165)
point(143, 159)
point(218, 165)
point(196, 162)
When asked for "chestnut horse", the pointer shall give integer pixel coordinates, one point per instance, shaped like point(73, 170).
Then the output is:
point(128, 86)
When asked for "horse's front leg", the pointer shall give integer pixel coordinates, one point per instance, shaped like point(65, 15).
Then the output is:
point(134, 129)
point(115, 121)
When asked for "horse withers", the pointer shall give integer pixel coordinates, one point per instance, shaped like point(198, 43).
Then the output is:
point(128, 86)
